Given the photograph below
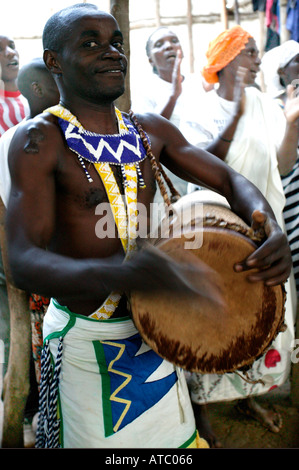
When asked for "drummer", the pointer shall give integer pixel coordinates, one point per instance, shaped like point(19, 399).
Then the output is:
point(114, 391)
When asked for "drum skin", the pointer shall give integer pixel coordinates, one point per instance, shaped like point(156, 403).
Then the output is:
point(192, 333)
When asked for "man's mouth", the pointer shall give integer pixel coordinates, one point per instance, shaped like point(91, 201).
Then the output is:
point(171, 56)
point(114, 70)
point(13, 63)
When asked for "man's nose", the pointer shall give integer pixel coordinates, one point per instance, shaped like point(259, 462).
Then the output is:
point(10, 52)
point(112, 52)
point(168, 45)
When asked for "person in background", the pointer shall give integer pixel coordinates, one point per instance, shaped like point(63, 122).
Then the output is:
point(280, 68)
point(14, 108)
point(37, 85)
point(250, 132)
point(167, 91)
point(13, 105)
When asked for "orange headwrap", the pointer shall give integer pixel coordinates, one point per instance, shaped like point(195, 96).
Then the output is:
point(223, 50)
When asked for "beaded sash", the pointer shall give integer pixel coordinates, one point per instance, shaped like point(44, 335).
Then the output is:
point(102, 151)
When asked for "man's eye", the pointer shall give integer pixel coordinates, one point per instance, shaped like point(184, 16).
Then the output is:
point(90, 44)
point(119, 45)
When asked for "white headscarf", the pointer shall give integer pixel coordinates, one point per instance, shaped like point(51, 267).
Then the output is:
point(277, 58)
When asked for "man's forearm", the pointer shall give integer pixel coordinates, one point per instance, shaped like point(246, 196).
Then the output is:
point(288, 150)
point(54, 275)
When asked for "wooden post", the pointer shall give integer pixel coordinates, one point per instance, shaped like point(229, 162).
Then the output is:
point(158, 16)
point(190, 35)
point(262, 21)
point(223, 14)
point(16, 382)
point(120, 10)
point(237, 13)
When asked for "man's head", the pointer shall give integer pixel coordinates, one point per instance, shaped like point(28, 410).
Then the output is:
point(162, 47)
point(280, 67)
point(37, 85)
point(9, 63)
point(233, 48)
point(85, 53)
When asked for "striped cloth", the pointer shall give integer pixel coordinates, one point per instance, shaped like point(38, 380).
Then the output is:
point(290, 184)
point(13, 109)
point(48, 428)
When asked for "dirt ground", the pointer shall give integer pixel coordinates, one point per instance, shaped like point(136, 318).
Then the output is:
point(236, 431)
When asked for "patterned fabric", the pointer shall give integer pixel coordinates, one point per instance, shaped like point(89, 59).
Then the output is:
point(114, 391)
point(13, 109)
point(48, 427)
point(290, 184)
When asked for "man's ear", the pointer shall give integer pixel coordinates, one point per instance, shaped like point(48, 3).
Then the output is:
point(151, 62)
point(282, 78)
point(37, 89)
point(50, 59)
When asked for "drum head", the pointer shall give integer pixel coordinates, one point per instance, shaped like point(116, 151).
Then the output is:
point(194, 335)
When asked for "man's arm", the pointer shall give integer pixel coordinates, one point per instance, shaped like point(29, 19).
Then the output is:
point(177, 79)
point(197, 166)
point(31, 213)
point(287, 153)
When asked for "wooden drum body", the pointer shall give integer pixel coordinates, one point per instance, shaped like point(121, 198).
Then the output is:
point(193, 334)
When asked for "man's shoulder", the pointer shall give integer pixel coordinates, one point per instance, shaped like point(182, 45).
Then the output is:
point(149, 119)
point(43, 122)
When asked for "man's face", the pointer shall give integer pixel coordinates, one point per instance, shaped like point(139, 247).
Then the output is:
point(9, 59)
point(249, 59)
point(164, 46)
point(92, 61)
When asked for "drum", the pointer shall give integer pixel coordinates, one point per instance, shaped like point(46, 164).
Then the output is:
point(191, 333)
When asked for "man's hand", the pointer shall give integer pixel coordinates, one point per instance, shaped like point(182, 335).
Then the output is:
point(181, 274)
point(291, 109)
point(273, 258)
point(239, 93)
point(177, 78)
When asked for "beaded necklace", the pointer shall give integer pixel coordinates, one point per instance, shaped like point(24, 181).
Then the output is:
point(124, 149)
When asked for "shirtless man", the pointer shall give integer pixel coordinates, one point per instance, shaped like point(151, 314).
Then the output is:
point(54, 250)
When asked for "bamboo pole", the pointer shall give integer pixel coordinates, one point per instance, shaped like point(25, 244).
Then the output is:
point(158, 16)
point(237, 13)
point(190, 35)
point(120, 10)
point(223, 14)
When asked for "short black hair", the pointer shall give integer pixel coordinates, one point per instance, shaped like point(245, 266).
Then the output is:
point(32, 71)
point(56, 29)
